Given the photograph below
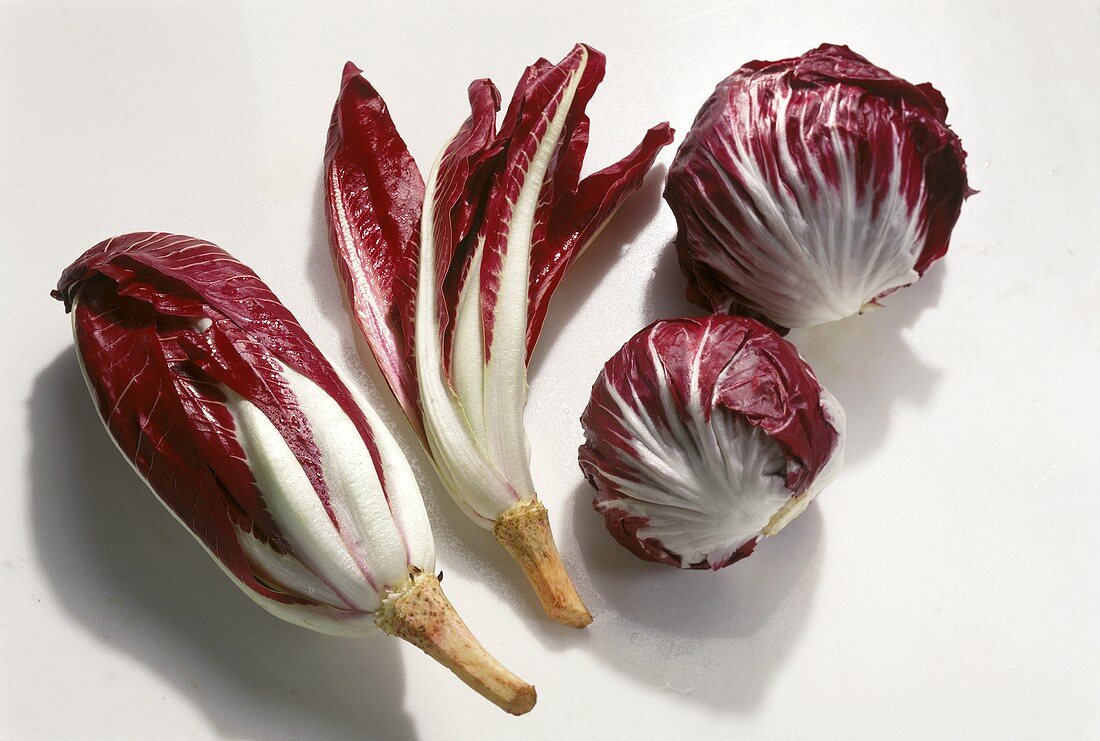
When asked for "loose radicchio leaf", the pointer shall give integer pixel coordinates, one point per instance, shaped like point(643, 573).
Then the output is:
point(811, 187)
point(504, 215)
point(703, 435)
point(374, 193)
point(245, 432)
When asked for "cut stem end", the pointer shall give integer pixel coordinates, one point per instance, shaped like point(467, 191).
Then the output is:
point(792, 509)
point(421, 614)
point(524, 531)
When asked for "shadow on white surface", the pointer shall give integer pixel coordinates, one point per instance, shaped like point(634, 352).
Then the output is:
point(867, 363)
point(716, 638)
point(130, 576)
point(664, 295)
point(636, 213)
point(321, 267)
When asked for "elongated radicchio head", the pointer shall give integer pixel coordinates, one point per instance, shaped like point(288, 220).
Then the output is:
point(811, 187)
point(703, 435)
point(245, 432)
point(452, 310)
point(243, 429)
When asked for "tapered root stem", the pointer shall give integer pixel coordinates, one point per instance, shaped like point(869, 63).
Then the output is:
point(421, 614)
point(524, 531)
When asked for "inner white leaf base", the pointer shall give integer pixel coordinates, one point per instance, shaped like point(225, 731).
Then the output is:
point(372, 532)
point(705, 499)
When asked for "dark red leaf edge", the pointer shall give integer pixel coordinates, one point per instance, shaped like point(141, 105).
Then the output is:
point(373, 198)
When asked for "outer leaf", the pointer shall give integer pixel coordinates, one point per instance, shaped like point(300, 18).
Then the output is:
point(373, 194)
point(458, 203)
point(578, 217)
point(702, 436)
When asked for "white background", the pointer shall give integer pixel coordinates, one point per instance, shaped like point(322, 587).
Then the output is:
point(946, 586)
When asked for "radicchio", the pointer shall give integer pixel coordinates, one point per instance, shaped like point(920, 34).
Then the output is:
point(704, 435)
point(246, 433)
point(812, 187)
point(452, 312)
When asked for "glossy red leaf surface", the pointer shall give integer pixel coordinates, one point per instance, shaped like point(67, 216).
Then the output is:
point(373, 196)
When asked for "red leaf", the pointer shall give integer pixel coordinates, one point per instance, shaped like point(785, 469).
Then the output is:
point(373, 194)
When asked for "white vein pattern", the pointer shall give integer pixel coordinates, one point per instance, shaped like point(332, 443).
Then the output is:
point(809, 252)
point(706, 487)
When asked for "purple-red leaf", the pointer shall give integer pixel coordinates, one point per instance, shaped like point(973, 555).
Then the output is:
point(460, 180)
point(374, 193)
point(504, 214)
point(578, 217)
point(569, 214)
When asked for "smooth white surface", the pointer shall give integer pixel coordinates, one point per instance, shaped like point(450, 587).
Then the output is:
point(947, 585)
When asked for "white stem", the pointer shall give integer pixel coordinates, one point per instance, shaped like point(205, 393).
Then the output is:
point(470, 476)
point(506, 372)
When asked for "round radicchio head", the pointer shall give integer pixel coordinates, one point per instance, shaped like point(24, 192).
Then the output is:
point(704, 435)
point(811, 187)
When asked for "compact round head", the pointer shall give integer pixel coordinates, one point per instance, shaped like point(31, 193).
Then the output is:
point(810, 187)
point(704, 435)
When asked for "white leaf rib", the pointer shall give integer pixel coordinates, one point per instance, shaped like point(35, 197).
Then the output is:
point(468, 348)
point(506, 371)
point(808, 254)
